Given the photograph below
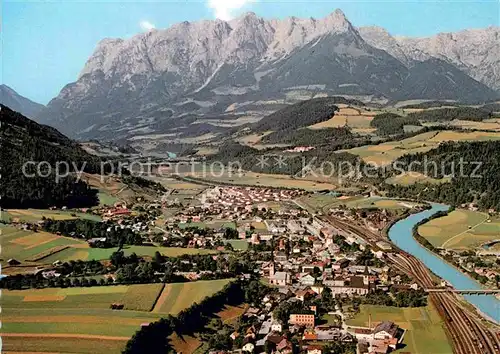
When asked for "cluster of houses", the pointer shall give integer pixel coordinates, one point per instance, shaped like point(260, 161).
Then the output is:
point(230, 197)
point(300, 149)
point(311, 336)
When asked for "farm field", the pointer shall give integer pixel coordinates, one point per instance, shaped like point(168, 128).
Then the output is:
point(29, 246)
point(111, 189)
point(185, 344)
point(25, 344)
point(321, 201)
point(176, 297)
point(409, 178)
point(133, 297)
point(252, 139)
point(265, 180)
point(461, 229)
point(33, 215)
point(385, 153)
point(181, 186)
point(104, 253)
point(354, 118)
point(71, 320)
point(424, 327)
point(35, 248)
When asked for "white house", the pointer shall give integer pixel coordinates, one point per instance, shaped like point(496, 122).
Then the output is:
point(307, 280)
point(385, 330)
point(276, 327)
point(314, 350)
point(249, 347)
point(280, 279)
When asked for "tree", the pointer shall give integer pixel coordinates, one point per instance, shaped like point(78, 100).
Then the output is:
point(117, 258)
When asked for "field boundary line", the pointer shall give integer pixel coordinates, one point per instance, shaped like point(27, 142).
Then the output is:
point(165, 291)
point(463, 232)
point(157, 298)
point(64, 335)
point(41, 243)
point(54, 250)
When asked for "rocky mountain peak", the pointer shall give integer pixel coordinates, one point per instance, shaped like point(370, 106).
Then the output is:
point(199, 68)
point(337, 21)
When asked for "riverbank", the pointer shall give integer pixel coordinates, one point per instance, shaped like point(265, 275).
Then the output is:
point(401, 234)
point(425, 243)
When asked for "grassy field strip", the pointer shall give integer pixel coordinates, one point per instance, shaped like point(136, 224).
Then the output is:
point(409, 178)
point(33, 215)
point(165, 292)
point(74, 253)
point(172, 293)
point(63, 335)
point(181, 295)
point(71, 328)
point(25, 345)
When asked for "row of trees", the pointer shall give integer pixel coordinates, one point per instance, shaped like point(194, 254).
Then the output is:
point(154, 338)
point(397, 298)
point(88, 229)
point(133, 269)
point(391, 124)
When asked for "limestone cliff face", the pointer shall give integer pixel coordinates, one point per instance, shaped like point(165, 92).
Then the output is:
point(475, 51)
point(203, 67)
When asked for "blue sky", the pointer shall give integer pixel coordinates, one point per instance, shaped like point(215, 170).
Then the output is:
point(45, 44)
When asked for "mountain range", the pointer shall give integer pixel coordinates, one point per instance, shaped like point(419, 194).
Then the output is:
point(18, 103)
point(164, 80)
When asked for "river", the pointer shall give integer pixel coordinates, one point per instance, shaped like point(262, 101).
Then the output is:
point(401, 234)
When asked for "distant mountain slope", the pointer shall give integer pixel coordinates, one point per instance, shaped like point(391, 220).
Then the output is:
point(23, 105)
point(25, 144)
point(149, 82)
point(474, 51)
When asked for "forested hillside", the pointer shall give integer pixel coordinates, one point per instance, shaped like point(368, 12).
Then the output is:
point(302, 114)
point(291, 164)
point(26, 143)
point(391, 124)
point(448, 114)
point(475, 168)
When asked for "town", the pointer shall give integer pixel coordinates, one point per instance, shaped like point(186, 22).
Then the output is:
point(317, 275)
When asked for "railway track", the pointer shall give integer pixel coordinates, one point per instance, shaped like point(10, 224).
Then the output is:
point(468, 335)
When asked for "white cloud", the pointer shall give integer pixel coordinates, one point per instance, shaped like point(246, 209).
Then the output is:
point(146, 25)
point(224, 9)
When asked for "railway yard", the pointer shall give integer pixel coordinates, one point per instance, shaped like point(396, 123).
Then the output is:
point(468, 333)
